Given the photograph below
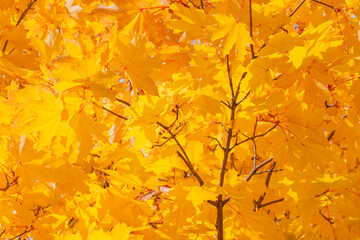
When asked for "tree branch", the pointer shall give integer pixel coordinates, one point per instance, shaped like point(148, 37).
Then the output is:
point(256, 136)
point(254, 170)
point(8, 184)
point(297, 8)
point(124, 102)
point(25, 12)
point(191, 168)
point(251, 33)
point(258, 204)
point(114, 113)
point(326, 218)
point(241, 100)
point(216, 141)
point(267, 180)
point(183, 154)
point(229, 76)
point(325, 4)
point(27, 230)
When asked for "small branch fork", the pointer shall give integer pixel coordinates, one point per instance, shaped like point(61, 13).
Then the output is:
point(14, 178)
point(8, 184)
point(232, 105)
point(182, 153)
point(258, 204)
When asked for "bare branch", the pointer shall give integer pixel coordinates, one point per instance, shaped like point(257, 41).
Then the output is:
point(25, 12)
point(229, 76)
point(198, 7)
point(241, 100)
point(176, 117)
point(331, 135)
point(216, 141)
point(27, 230)
point(226, 104)
point(325, 4)
point(258, 204)
point(191, 168)
point(202, 4)
point(297, 8)
point(214, 203)
point(272, 202)
point(183, 154)
point(269, 174)
point(266, 171)
point(256, 136)
point(159, 145)
point(332, 105)
point(326, 218)
point(254, 170)
point(124, 102)
point(5, 44)
point(114, 113)
point(251, 33)
point(326, 191)
point(222, 126)
point(9, 184)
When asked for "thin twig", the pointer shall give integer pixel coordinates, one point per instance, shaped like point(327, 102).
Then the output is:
point(222, 126)
point(258, 204)
point(8, 184)
point(5, 44)
point(254, 170)
point(331, 105)
point(297, 8)
point(326, 218)
point(266, 171)
point(331, 135)
point(183, 154)
point(256, 136)
point(272, 202)
point(198, 7)
point(251, 33)
point(114, 113)
point(25, 12)
point(241, 100)
point(124, 102)
point(191, 168)
point(226, 104)
point(216, 141)
point(267, 180)
point(27, 230)
point(325, 4)
point(229, 75)
point(202, 4)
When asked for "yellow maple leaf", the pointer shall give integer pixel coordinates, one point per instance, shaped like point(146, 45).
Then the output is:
point(232, 32)
point(133, 60)
point(47, 113)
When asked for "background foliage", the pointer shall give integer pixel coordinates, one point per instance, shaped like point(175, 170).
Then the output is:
point(155, 119)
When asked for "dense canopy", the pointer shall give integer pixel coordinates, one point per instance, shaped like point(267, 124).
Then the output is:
point(179, 119)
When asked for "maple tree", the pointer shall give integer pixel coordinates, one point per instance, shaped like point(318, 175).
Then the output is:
point(175, 119)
